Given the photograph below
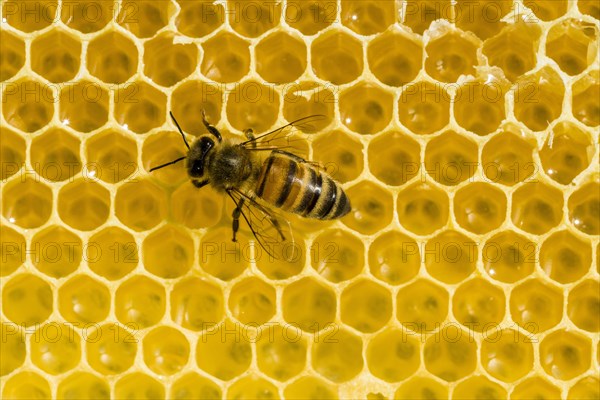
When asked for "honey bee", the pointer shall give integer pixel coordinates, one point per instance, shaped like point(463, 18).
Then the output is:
point(259, 186)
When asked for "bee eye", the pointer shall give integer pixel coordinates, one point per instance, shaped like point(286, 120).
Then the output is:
point(197, 168)
point(206, 144)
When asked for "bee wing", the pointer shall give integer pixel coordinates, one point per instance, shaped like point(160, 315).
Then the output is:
point(283, 138)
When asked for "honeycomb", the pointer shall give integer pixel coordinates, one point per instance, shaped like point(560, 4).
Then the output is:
point(464, 132)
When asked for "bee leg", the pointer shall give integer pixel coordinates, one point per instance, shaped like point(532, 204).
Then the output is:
point(200, 184)
point(211, 129)
point(235, 225)
point(250, 136)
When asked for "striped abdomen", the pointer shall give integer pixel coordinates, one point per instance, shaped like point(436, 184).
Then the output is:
point(299, 188)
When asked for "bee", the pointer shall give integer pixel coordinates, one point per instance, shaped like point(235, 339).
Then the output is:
point(259, 186)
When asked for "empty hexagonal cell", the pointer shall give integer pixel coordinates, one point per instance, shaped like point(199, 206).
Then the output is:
point(309, 305)
point(196, 208)
point(140, 302)
point(223, 258)
point(56, 56)
point(224, 356)
point(13, 348)
point(479, 305)
point(252, 105)
point(252, 387)
point(423, 208)
point(338, 360)
point(395, 58)
point(565, 257)
point(535, 387)
point(29, 17)
point(112, 57)
point(309, 98)
point(26, 300)
point(337, 57)
point(112, 155)
point(140, 205)
point(483, 19)
point(365, 108)
point(226, 58)
point(536, 306)
point(12, 55)
point(422, 306)
point(450, 158)
point(572, 44)
point(538, 98)
point(419, 14)
point(310, 387)
point(423, 107)
point(394, 258)
point(585, 388)
point(188, 102)
point(584, 208)
point(144, 18)
point(589, 7)
point(27, 202)
point(420, 387)
point(450, 256)
point(479, 105)
point(168, 252)
point(392, 356)
point(112, 253)
point(83, 385)
point(547, 10)
point(337, 255)
point(252, 301)
point(372, 208)
point(509, 257)
point(138, 385)
point(366, 306)
point(508, 358)
point(451, 356)
point(28, 105)
point(340, 154)
point(56, 251)
point(167, 62)
point(478, 386)
point(451, 55)
point(112, 350)
point(84, 106)
point(282, 354)
point(139, 107)
point(536, 208)
point(26, 385)
point(196, 304)
point(55, 348)
point(194, 386)
point(480, 207)
point(585, 91)
point(582, 305)
point(310, 17)
point(86, 16)
point(507, 158)
point(83, 204)
point(55, 155)
point(83, 300)
point(166, 350)
point(367, 18)
point(280, 58)
point(12, 151)
point(13, 250)
point(198, 19)
point(161, 148)
point(565, 355)
point(252, 19)
point(394, 158)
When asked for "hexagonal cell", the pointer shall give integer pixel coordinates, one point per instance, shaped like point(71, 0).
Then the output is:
point(423, 107)
point(395, 58)
point(29, 17)
point(547, 10)
point(26, 385)
point(450, 257)
point(139, 107)
point(340, 154)
point(27, 300)
point(451, 55)
point(194, 386)
point(198, 19)
point(112, 57)
point(282, 355)
point(585, 388)
point(163, 147)
point(84, 106)
point(27, 202)
point(451, 158)
point(338, 360)
point(451, 358)
point(137, 385)
point(372, 208)
point(13, 250)
point(392, 356)
point(337, 255)
point(478, 305)
point(195, 208)
point(310, 17)
point(337, 57)
point(509, 257)
point(420, 388)
point(366, 306)
point(483, 19)
point(166, 350)
point(480, 207)
point(140, 205)
point(84, 386)
point(252, 19)
point(28, 105)
point(112, 155)
point(55, 348)
point(226, 58)
point(564, 257)
point(423, 208)
point(252, 387)
point(309, 305)
point(422, 306)
point(83, 300)
point(585, 91)
point(83, 204)
point(538, 98)
point(12, 151)
point(87, 16)
point(12, 55)
point(367, 18)
point(394, 258)
point(196, 304)
point(56, 251)
point(112, 253)
point(144, 18)
point(534, 388)
point(394, 158)
point(113, 349)
point(55, 155)
point(56, 56)
point(140, 301)
point(252, 105)
point(280, 58)
point(189, 100)
point(479, 105)
point(310, 387)
point(589, 7)
point(13, 349)
point(252, 301)
point(582, 306)
point(514, 50)
point(510, 357)
point(419, 14)
point(572, 44)
point(168, 252)
point(507, 158)
point(536, 306)
point(309, 98)
point(224, 355)
point(365, 108)
point(565, 355)
point(536, 208)
point(584, 208)
point(478, 386)
point(223, 258)
point(167, 62)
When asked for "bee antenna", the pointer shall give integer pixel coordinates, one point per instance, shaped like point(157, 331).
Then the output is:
point(180, 131)
point(167, 164)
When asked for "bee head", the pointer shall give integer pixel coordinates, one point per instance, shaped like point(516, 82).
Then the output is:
point(198, 155)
